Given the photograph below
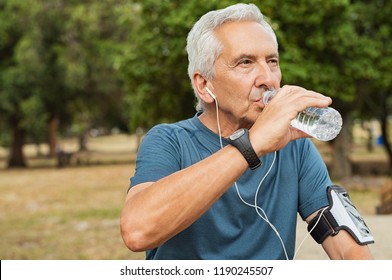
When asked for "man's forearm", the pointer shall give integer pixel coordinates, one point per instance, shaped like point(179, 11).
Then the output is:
point(155, 213)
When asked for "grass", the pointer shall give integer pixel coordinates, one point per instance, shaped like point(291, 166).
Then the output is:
point(70, 213)
point(73, 213)
point(67, 213)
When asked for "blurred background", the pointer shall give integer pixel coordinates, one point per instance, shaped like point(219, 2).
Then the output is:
point(82, 81)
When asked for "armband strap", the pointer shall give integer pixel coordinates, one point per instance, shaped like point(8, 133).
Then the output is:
point(325, 227)
point(341, 214)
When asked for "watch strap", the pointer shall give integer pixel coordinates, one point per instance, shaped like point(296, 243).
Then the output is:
point(243, 144)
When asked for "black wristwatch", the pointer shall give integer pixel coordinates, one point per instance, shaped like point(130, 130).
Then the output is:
point(240, 140)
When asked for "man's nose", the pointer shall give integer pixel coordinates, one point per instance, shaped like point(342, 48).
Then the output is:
point(265, 76)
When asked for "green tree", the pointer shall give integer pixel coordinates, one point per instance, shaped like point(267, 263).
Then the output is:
point(96, 36)
point(15, 81)
point(59, 63)
point(373, 24)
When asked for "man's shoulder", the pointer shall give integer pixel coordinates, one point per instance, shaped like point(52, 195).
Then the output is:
point(187, 124)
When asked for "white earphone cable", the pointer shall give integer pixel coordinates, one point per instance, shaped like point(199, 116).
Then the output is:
point(257, 208)
point(307, 235)
point(262, 215)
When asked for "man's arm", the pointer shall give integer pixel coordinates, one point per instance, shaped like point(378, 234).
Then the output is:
point(156, 211)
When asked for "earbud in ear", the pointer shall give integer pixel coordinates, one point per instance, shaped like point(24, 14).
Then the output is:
point(210, 93)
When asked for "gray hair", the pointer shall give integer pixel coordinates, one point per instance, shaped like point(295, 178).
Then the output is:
point(203, 47)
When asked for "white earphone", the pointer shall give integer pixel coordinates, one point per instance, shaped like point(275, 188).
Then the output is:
point(210, 93)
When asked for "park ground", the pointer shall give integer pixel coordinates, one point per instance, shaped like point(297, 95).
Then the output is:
point(73, 212)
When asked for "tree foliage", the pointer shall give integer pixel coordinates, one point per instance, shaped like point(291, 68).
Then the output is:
point(373, 24)
point(58, 65)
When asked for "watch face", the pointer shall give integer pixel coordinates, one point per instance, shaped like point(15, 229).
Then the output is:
point(237, 134)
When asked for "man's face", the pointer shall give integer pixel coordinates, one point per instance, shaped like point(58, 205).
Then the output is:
point(248, 64)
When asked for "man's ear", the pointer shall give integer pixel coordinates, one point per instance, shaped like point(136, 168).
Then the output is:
point(200, 85)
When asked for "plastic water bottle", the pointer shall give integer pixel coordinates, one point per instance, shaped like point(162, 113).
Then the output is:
point(324, 124)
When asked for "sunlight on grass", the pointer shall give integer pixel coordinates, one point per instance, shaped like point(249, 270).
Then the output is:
point(70, 213)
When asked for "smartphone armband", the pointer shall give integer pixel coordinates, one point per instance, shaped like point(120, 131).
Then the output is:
point(341, 214)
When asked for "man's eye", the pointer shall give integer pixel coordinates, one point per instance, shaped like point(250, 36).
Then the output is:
point(274, 62)
point(245, 62)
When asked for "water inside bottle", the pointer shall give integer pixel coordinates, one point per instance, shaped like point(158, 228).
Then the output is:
point(322, 123)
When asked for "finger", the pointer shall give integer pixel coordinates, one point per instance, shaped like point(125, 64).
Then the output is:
point(298, 134)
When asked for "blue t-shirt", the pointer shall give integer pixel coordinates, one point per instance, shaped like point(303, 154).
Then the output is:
point(230, 229)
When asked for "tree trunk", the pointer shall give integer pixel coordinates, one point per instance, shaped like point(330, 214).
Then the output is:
point(16, 156)
point(385, 135)
point(83, 141)
point(341, 165)
point(52, 135)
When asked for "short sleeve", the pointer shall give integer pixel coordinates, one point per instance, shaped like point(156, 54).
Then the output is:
point(157, 156)
point(313, 180)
